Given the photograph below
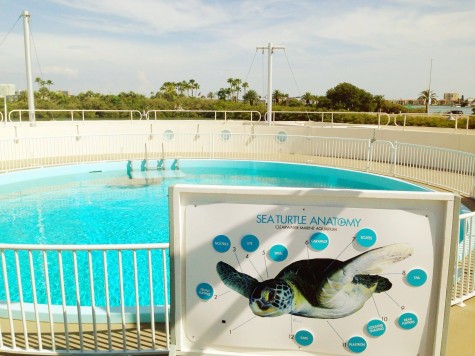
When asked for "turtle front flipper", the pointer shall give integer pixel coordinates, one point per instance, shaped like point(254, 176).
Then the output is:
point(347, 288)
point(237, 281)
point(376, 260)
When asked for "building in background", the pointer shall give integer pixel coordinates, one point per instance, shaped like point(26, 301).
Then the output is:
point(451, 97)
point(7, 89)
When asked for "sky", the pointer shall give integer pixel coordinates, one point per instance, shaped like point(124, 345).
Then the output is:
point(393, 48)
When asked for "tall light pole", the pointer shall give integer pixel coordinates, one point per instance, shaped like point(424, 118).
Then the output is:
point(29, 80)
point(4, 108)
point(429, 93)
point(270, 50)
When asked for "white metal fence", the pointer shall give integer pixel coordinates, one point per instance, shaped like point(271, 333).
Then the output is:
point(464, 276)
point(93, 114)
point(74, 114)
point(453, 170)
point(107, 292)
point(252, 115)
point(448, 169)
point(381, 119)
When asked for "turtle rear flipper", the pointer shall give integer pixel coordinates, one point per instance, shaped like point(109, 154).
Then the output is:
point(382, 284)
point(237, 281)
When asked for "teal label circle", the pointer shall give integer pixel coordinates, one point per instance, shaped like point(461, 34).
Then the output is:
point(221, 243)
point(304, 338)
point(376, 328)
point(168, 135)
point(250, 243)
point(357, 344)
point(416, 277)
point(319, 241)
point(366, 237)
point(408, 321)
point(225, 135)
point(278, 253)
point(204, 291)
point(281, 136)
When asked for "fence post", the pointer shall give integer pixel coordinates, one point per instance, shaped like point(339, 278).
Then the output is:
point(394, 159)
point(211, 145)
point(370, 155)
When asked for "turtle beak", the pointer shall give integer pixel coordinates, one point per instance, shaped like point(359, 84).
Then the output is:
point(262, 306)
point(262, 309)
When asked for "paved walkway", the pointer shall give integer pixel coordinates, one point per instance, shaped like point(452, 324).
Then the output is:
point(461, 338)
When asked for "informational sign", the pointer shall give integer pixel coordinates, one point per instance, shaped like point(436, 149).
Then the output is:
point(282, 271)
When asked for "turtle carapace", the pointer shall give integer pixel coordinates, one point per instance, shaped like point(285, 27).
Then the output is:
point(321, 288)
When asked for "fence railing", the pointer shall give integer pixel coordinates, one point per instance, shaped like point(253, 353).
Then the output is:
point(83, 114)
point(252, 115)
point(382, 118)
point(448, 169)
point(75, 114)
point(464, 276)
point(84, 298)
point(330, 118)
point(401, 119)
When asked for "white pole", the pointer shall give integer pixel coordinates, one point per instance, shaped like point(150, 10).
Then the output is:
point(269, 82)
point(29, 80)
point(270, 50)
point(5, 109)
point(430, 81)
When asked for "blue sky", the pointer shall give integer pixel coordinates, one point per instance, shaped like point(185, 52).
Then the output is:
point(110, 46)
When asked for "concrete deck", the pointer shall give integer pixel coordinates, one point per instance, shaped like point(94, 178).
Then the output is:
point(461, 337)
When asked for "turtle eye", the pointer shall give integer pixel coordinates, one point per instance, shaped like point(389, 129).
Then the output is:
point(268, 295)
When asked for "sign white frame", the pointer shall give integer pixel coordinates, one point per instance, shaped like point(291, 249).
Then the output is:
point(442, 209)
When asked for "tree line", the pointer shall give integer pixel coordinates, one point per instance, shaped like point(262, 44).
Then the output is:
point(185, 94)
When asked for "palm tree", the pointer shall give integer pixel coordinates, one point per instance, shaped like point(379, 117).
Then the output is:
point(169, 90)
point(230, 81)
point(251, 96)
point(193, 85)
point(224, 93)
point(307, 96)
point(277, 95)
point(427, 96)
point(40, 82)
point(237, 87)
point(245, 85)
point(181, 87)
point(379, 101)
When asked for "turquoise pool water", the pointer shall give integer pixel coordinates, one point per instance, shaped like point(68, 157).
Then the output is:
point(100, 204)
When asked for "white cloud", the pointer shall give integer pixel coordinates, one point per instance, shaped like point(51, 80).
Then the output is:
point(61, 70)
point(383, 46)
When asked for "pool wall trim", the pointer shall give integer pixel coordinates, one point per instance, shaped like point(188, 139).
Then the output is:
point(82, 168)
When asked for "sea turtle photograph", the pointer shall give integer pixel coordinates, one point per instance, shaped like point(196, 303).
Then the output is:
point(322, 288)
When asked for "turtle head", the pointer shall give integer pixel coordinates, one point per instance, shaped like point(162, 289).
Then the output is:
point(271, 298)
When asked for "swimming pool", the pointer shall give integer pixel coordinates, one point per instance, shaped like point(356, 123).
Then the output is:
point(102, 204)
